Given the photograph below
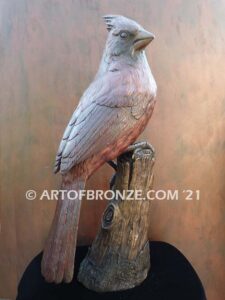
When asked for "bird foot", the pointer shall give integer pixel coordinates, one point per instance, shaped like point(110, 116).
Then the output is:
point(139, 145)
point(132, 148)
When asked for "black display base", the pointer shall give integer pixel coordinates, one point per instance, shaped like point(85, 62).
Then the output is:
point(171, 277)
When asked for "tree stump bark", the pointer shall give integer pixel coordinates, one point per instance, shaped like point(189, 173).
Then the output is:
point(119, 257)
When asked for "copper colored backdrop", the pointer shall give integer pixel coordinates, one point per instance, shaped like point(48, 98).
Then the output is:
point(49, 53)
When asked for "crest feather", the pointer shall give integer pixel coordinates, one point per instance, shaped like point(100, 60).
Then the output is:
point(109, 20)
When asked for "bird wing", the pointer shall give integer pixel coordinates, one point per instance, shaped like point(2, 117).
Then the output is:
point(108, 108)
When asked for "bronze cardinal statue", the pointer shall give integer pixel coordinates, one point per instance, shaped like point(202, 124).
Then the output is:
point(112, 113)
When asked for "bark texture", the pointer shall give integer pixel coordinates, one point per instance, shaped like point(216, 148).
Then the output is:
point(119, 256)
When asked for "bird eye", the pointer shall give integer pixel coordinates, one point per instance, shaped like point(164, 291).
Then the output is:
point(123, 34)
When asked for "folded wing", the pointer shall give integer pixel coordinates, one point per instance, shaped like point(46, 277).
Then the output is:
point(109, 107)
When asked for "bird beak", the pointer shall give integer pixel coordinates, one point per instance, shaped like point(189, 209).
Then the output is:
point(143, 39)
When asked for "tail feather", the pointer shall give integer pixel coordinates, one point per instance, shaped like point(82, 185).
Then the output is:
point(59, 253)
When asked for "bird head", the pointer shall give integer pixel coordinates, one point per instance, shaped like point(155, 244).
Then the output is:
point(125, 36)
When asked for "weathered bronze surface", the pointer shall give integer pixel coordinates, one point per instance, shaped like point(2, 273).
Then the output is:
point(49, 53)
point(112, 113)
point(119, 256)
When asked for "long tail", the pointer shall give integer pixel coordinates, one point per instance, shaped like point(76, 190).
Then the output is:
point(59, 252)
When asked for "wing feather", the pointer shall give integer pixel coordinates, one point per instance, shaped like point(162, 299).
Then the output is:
point(104, 112)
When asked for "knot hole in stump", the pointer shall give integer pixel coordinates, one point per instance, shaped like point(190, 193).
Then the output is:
point(119, 256)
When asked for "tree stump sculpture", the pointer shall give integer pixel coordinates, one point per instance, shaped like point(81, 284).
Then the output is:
point(119, 257)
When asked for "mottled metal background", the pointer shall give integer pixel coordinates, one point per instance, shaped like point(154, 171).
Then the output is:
point(49, 53)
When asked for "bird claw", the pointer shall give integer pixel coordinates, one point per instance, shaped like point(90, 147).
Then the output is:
point(139, 145)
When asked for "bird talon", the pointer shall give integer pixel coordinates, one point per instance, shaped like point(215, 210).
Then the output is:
point(139, 145)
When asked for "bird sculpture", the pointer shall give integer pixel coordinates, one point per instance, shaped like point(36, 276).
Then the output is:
point(111, 114)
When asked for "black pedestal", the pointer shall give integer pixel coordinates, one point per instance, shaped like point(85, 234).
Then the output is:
point(171, 278)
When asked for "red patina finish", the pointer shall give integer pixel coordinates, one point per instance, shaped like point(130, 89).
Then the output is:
point(112, 113)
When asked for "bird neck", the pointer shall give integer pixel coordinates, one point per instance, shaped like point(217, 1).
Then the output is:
point(113, 63)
